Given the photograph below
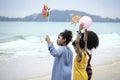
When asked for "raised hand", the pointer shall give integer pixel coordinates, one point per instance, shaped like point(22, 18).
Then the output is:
point(47, 38)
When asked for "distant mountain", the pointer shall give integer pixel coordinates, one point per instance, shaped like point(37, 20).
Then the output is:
point(2, 18)
point(60, 16)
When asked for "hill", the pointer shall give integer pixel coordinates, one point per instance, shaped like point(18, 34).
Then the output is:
point(60, 16)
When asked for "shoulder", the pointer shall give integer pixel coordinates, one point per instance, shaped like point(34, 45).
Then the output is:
point(84, 53)
point(61, 49)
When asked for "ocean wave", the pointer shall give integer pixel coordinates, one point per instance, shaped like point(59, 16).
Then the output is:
point(10, 54)
point(114, 35)
point(23, 45)
point(20, 37)
point(12, 39)
point(111, 40)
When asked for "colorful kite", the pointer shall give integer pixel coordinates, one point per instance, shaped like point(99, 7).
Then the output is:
point(75, 19)
point(45, 11)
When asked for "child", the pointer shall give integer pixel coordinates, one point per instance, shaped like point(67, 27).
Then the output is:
point(63, 56)
point(92, 42)
point(80, 60)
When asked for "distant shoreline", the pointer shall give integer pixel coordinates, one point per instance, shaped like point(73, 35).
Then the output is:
point(54, 21)
point(59, 16)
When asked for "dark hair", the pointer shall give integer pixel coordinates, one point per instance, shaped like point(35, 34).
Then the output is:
point(67, 34)
point(81, 43)
point(92, 42)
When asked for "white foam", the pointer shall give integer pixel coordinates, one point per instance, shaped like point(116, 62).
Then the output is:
point(31, 46)
point(109, 40)
point(37, 46)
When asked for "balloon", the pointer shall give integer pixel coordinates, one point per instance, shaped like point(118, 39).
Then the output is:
point(86, 21)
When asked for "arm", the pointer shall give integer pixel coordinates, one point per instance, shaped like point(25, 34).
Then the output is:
point(80, 27)
point(47, 38)
point(77, 47)
point(51, 48)
point(85, 39)
point(53, 51)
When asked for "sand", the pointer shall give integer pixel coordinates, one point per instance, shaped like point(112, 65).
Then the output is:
point(37, 68)
point(104, 72)
point(25, 68)
point(107, 72)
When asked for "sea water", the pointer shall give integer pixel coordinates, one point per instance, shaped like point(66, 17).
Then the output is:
point(28, 38)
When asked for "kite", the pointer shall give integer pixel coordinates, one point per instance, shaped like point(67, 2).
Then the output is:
point(45, 11)
point(85, 20)
point(75, 19)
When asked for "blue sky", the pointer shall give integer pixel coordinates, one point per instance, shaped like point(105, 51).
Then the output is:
point(22, 8)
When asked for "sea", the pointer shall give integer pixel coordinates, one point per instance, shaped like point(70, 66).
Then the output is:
point(27, 39)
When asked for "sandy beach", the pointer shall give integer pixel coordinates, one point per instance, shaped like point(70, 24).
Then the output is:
point(26, 68)
point(36, 68)
point(103, 69)
point(105, 72)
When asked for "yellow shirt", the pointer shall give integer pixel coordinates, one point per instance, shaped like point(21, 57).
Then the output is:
point(79, 68)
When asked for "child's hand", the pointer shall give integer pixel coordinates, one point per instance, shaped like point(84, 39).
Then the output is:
point(81, 27)
point(47, 38)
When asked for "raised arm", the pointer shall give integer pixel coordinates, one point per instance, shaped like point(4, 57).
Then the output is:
point(77, 46)
point(85, 39)
point(77, 49)
point(52, 49)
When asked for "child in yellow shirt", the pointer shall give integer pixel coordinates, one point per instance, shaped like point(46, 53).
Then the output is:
point(80, 60)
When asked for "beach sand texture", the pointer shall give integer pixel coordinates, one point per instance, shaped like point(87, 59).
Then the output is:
point(105, 72)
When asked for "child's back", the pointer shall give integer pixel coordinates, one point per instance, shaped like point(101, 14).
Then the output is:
point(79, 72)
point(63, 56)
point(62, 63)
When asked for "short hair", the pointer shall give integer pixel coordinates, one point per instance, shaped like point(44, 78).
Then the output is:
point(67, 34)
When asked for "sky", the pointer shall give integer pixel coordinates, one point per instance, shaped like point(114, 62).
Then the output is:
point(22, 8)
